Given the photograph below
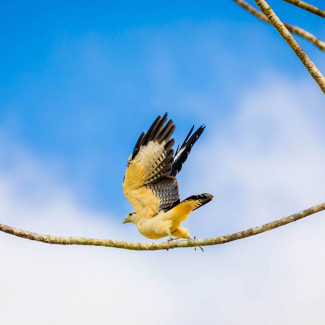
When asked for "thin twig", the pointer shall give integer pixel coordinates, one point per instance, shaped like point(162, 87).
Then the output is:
point(161, 245)
point(283, 31)
point(293, 29)
point(308, 7)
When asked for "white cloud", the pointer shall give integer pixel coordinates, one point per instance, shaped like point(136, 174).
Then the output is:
point(263, 162)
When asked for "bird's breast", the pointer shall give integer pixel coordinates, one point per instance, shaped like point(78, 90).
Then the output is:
point(155, 227)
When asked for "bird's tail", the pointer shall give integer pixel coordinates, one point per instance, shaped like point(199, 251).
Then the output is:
point(191, 203)
point(182, 152)
point(198, 200)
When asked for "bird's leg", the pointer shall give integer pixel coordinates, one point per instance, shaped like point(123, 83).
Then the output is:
point(170, 237)
point(194, 238)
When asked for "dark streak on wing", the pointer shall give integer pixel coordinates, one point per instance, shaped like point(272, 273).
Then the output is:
point(182, 153)
point(163, 185)
point(167, 190)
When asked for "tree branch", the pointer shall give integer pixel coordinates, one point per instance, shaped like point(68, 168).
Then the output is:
point(308, 7)
point(283, 31)
point(161, 245)
point(293, 29)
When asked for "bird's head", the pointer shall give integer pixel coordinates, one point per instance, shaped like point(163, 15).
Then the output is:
point(130, 217)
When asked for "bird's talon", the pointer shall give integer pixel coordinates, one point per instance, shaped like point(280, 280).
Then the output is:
point(195, 248)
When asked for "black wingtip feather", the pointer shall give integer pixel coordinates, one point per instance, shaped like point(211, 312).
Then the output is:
point(183, 151)
point(138, 144)
point(165, 132)
point(169, 132)
point(159, 126)
point(151, 130)
point(159, 131)
point(188, 135)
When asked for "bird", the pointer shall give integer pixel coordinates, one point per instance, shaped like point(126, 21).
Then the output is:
point(151, 186)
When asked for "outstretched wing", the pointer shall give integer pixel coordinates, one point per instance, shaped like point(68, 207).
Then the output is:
point(148, 183)
point(182, 152)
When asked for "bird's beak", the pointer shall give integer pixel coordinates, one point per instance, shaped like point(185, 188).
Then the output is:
point(125, 221)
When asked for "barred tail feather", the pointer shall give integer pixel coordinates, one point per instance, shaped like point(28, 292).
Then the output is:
point(198, 200)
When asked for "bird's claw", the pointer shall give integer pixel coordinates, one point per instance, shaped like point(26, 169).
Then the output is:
point(195, 248)
point(170, 239)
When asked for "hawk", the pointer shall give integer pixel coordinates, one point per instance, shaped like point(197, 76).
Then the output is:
point(150, 182)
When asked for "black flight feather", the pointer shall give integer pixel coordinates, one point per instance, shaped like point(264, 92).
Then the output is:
point(183, 151)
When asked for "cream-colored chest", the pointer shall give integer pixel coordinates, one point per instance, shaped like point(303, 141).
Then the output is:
point(156, 227)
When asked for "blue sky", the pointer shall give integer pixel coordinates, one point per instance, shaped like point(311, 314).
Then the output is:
point(79, 81)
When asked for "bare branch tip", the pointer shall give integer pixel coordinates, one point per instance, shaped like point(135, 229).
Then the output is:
point(286, 35)
point(308, 7)
point(293, 29)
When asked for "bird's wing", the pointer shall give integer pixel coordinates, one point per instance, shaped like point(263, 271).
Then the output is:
point(147, 182)
point(182, 152)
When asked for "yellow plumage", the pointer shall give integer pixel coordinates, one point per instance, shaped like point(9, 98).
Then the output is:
point(151, 186)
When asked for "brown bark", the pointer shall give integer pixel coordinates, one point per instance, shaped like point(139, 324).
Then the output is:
point(286, 35)
point(308, 7)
